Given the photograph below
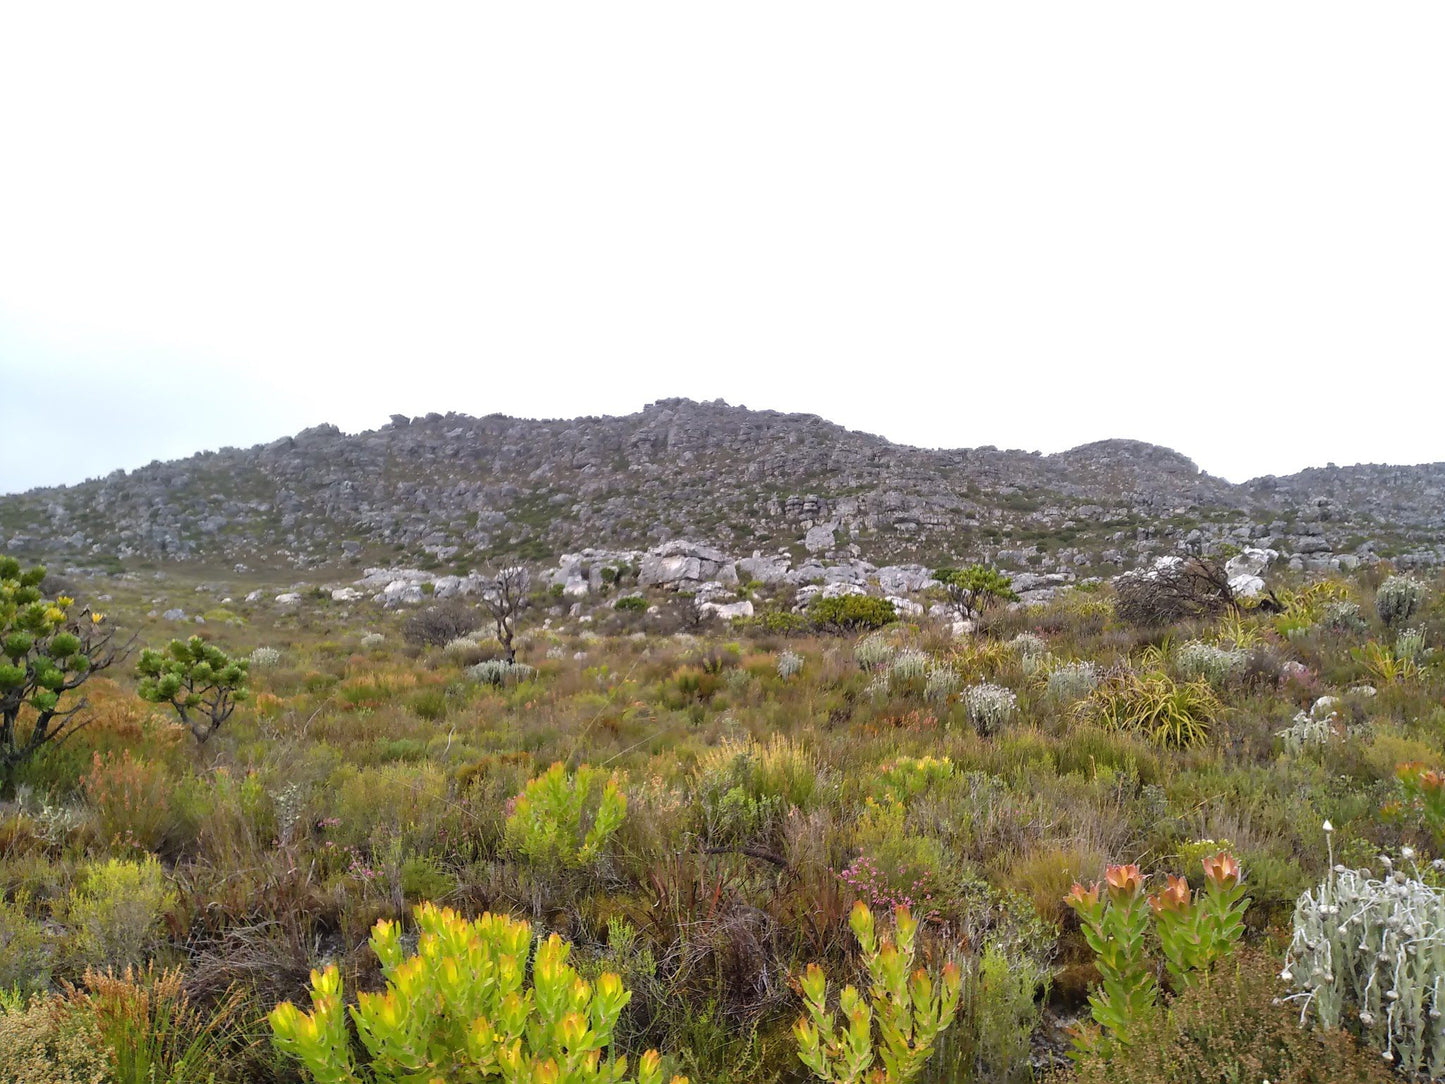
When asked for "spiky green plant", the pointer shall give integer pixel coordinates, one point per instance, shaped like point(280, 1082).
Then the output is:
point(1154, 705)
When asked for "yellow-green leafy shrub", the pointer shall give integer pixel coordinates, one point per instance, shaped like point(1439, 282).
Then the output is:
point(114, 914)
point(554, 822)
point(25, 947)
point(911, 1008)
point(461, 1009)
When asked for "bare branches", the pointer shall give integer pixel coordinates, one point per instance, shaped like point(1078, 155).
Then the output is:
point(505, 596)
point(1176, 588)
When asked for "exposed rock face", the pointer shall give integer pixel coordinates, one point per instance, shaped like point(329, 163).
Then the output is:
point(451, 490)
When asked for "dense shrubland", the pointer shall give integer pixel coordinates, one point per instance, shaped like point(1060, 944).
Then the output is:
point(704, 821)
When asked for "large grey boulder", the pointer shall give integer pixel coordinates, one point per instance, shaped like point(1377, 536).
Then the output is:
point(905, 579)
point(820, 538)
point(678, 563)
point(765, 569)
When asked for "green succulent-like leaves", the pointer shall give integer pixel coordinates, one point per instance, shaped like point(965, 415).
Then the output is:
point(45, 653)
point(199, 680)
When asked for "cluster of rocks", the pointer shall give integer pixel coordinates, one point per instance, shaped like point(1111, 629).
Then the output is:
point(465, 489)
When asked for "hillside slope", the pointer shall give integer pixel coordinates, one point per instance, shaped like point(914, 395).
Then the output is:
point(456, 490)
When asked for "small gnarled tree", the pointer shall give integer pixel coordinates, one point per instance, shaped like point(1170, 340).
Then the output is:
point(505, 596)
point(199, 680)
point(974, 589)
point(48, 649)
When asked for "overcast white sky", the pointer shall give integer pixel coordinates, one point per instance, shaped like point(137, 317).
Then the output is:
point(1217, 227)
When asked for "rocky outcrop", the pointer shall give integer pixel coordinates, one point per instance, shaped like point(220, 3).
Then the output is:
point(451, 492)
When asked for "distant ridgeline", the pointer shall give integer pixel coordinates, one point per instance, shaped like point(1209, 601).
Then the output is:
point(450, 493)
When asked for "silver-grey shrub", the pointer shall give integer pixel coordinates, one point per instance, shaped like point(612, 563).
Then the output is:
point(1410, 646)
point(1072, 681)
point(873, 652)
point(1345, 616)
point(1308, 731)
point(499, 672)
point(789, 664)
point(1398, 598)
point(372, 640)
point(263, 658)
point(990, 707)
point(1217, 665)
point(1372, 950)
point(1028, 643)
point(941, 684)
point(909, 665)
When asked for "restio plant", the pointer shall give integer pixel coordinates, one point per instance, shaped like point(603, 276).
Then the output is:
point(910, 1007)
point(555, 823)
point(1368, 953)
point(199, 680)
point(47, 651)
point(463, 1009)
point(976, 588)
point(1154, 705)
point(1194, 930)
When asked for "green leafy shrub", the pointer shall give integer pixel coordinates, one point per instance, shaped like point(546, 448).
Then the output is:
point(974, 589)
point(199, 680)
point(634, 604)
point(556, 823)
point(1230, 1026)
point(47, 651)
point(26, 949)
point(911, 1007)
point(462, 1008)
point(1194, 931)
point(114, 913)
point(851, 613)
point(774, 623)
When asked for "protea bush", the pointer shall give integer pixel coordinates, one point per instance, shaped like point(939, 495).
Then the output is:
point(1195, 931)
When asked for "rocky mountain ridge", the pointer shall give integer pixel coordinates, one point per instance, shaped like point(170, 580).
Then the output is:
point(453, 491)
